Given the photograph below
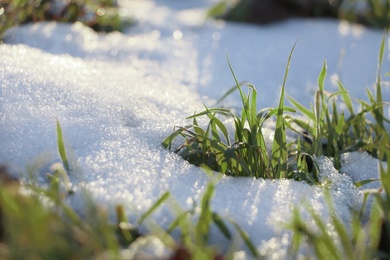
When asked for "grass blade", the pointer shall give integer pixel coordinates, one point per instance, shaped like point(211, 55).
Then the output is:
point(346, 97)
point(158, 203)
point(340, 124)
point(279, 148)
point(378, 112)
point(218, 9)
point(168, 141)
point(321, 77)
point(246, 239)
point(242, 95)
point(302, 109)
point(61, 147)
point(230, 91)
point(205, 218)
point(364, 182)
point(221, 225)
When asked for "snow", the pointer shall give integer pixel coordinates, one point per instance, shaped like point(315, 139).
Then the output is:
point(118, 95)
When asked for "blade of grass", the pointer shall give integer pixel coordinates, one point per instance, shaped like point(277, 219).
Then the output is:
point(245, 237)
point(379, 99)
point(205, 218)
point(230, 91)
point(157, 204)
point(242, 95)
point(346, 97)
point(279, 148)
point(301, 108)
point(221, 225)
point(61, 147)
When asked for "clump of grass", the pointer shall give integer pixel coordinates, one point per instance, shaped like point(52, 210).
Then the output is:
point(101, 15)
point(247, 154)
point(331, 131)
point(334, 132)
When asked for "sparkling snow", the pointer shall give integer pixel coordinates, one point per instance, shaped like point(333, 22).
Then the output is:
point(117, 96)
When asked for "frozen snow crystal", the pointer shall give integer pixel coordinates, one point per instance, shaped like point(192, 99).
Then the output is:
point(361, 166)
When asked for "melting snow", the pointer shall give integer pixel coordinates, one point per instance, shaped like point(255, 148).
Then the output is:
point(118, 96)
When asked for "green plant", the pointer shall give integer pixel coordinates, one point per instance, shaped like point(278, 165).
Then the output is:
point(375, 13)
point(332, 131)
point(195, 237)
point(101, 15)
point(247, 155)
point(39, 222)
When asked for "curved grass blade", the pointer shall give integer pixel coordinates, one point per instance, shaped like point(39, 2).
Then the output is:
point(223, 111)
point(168, 141)
point(301, 108)
point(346, 97)
point(245, 237)
point(221, 225)
point(364, 182)
point(157, 204)
point(230, 91)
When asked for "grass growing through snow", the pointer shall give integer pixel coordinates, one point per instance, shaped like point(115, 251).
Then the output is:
point(332, 131)
point(41, 224)
point(245, 155)
point(38, 223)
point(327, 130)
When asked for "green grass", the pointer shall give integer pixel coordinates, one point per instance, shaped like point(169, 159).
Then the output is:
point(326, 130)
point(376, 14)
point(360, 240)
point(245, 155)
point(101, 15)
point(41, 224)
point(334, 131)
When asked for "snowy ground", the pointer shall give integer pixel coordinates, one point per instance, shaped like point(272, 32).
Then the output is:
point(118, 96)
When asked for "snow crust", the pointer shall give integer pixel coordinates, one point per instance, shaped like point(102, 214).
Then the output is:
point(117, 96)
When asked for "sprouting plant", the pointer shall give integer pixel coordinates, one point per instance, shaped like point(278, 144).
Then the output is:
point(246, 154)
point(333, 131)
point(61, 147)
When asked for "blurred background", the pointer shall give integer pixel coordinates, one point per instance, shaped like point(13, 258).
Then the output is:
point(105, 15)
point(373, 13)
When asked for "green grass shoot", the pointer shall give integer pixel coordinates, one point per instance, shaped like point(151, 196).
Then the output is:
point(61, 147)
point(244, 153)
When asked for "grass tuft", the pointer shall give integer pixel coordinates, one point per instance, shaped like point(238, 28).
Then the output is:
point(333, 131)
point(246, 155)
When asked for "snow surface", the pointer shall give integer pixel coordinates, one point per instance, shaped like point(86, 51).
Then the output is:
point(119, 95)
